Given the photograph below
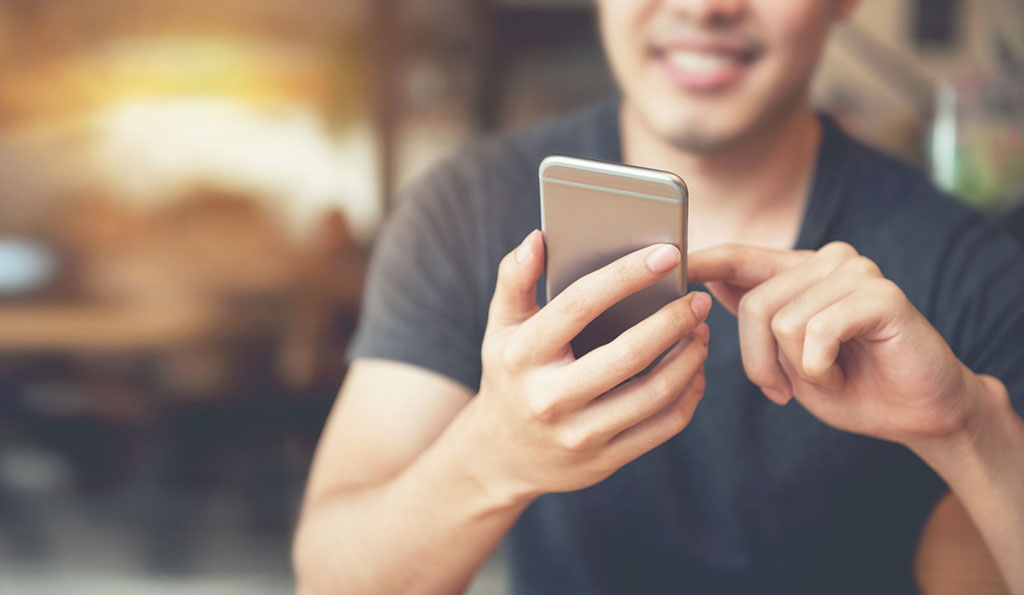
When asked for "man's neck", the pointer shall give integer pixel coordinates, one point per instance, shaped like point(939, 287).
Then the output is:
point(754, 192)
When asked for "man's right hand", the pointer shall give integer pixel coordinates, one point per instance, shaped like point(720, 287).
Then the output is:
point(545, 421)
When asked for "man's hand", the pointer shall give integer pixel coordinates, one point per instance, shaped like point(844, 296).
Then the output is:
point(545, 421)
point(829, 329)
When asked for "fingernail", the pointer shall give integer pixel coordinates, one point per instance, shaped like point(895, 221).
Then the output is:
point(664, 259)
point(701, 304)
point(524, 249)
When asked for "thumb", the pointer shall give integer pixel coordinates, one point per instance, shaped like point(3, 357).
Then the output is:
point(515, 295)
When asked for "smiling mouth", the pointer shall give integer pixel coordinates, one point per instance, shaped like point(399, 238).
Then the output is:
point(704, 67)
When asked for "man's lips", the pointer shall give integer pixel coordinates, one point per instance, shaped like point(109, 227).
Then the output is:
point(704, 66)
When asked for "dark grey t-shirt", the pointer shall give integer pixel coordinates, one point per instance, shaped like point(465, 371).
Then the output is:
point(751, 497)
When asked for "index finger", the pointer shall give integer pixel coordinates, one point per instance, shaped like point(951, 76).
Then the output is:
point(740, 265)
point(548, 331)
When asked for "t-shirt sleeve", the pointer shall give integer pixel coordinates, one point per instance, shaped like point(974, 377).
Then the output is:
point(988, 328)
point(420, 304)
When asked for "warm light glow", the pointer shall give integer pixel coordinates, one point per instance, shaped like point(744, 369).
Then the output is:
point(259, 72)
point(152, 149)
point(166, 114)
point(190, 66)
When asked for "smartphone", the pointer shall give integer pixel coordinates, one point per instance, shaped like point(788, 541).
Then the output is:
point(594, 212)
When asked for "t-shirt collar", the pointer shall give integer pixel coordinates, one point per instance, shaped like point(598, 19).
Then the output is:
point(828, 190)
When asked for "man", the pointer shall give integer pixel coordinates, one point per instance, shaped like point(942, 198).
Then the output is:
point(869, 340)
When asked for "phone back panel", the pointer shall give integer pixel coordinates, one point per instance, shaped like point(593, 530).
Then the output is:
point(593, 213)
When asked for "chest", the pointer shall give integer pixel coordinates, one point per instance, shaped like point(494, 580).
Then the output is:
point(771, 228)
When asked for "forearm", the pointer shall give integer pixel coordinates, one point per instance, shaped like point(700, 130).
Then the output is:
point(984, 467)
point(427, 530)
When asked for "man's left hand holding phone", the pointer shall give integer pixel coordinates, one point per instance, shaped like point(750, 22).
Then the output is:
point(568, 423)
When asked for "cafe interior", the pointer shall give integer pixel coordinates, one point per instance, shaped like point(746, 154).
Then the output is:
point(189, 192)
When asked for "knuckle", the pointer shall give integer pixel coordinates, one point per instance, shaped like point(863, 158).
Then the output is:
point(886, 290)
point(841, 250)
point(659, 390)
point(817, 326)
point(862, 265)
point(784, 325)
point(759, 375)
point(753, 305)
point(622, 272)
point(699, 383)
point(625, 352)
point(514, 355)
point(576, 305)
point(606, 463)
point(680, 415)
point(733, 251)
point(627, 360)
point(575, 440)
point(541, 408)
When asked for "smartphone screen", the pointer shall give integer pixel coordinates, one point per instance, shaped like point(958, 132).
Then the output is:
point(594, 212)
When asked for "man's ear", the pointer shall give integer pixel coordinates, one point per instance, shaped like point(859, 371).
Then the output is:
point(845, 8)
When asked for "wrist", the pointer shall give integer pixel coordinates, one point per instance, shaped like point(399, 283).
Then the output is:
point(987, 418)
point(463, 450)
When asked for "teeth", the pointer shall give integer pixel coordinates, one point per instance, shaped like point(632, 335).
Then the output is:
point(702, 62)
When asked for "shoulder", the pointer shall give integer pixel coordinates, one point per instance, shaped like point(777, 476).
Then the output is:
point(485, 196)
point(881, 180)
point(894, 205)
point(928, 241)
point(477, 202)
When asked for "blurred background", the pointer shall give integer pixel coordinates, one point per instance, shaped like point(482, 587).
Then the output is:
point(188, 194)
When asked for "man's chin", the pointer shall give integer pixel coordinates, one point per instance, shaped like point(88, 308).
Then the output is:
point(700, 137)
point(700, 144)
point(696, 129)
